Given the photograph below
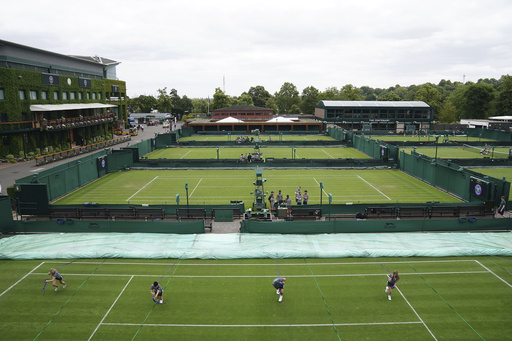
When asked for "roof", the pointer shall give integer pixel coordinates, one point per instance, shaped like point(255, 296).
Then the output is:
point(151, 115)
point(60, 107)
point(501, 118)
point(242, 107)
point(97, 59)
point(376, 104)
point(229, 120)
point(280, 119)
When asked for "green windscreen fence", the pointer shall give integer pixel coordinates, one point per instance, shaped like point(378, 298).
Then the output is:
point(466, 184)
point(375, 148)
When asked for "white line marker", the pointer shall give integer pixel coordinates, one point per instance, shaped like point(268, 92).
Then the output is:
point(142, 188)
point(416, 313)
point(375, 188)
point(260, 325)
point(185, 154)
point(501, 279)
point(195, 187)
point(21, 279)
point(332, 157)
point(112, 306)
point(323, 190)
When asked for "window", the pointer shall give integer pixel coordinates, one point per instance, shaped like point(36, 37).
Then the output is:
point(55, 95)
point(64, 95)
point(22, 94)
point(72, 95)
point(88, 95)
point(33, 94)
point(3, 118)
point(44, 94)
point(2, 96)
point(93, 95)
point(80, 95)
point(99, 95)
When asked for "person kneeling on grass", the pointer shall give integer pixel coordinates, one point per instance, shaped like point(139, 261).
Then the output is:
point(56, 277)
point(278, 284)
point(392, 279)
point(157, 292)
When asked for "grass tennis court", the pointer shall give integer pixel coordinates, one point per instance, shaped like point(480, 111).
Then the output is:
point(460, 152)
point(466, 298)
point(430, 138)
point(262, 137)
point(209, 187)
point(266, 152)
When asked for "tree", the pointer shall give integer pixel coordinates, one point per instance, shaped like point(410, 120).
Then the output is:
point(200, 105)
point(271, 104)
point(142, 104)
point(244, 98)
point(287, 97)
point(504, 98)
point(309, 100)
point(350, 93)
point(389, 96)
point(447, 113)
point(220, 100)
point(477, 101)
point(430, 95)
point(330, 94)
point(259, 95)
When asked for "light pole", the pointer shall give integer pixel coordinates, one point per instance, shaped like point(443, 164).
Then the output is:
point(178, 203)
point(330, 200)
point(437, 138)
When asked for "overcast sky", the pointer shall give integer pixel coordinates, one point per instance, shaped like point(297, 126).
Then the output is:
point(194, 45)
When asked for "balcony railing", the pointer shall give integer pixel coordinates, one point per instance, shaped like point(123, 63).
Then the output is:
point(57, 124)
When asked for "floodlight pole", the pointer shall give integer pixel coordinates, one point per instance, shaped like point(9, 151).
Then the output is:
point(321, 189)
point(217, 153)
point(437, 138)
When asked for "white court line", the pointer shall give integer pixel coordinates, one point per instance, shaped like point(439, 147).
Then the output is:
point(21, 279)
point(261, 325)
point(332, 157)
point(112, 306)
point(323, 190)
point(142, 188)
point(273, 276)
point(374, 187)
point(501, 279)
point(416, 313)
point(185, 154)
point(195, 187)
point(268, 264)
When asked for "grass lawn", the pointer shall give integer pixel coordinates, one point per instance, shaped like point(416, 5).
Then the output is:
point(262, 137)
point(324, 299)
point(498, 173)
point(460, 152)
point(265, 152)
point(423, 138)
point(209, 187)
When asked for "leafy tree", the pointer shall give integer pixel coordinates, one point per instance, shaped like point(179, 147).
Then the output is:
point(330, 94)
point(309, 100)
point(142, 104)
point(185, 105)
point(259, 95)
point(430, 95)
point(350, 93)
point(244, 98)
point(477, 101)
point(504, 98)
point(389, 96)
point(200, 105)
point(220, 100)
point(368, 94)
point(164, 103)
point(271, 104)
point(287, 97)
point(295, 110)
point(447, 113)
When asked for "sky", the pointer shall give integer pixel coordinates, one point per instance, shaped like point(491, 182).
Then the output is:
point(196, 46)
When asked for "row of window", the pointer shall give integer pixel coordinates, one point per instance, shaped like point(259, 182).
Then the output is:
point(421, 114)
point(34, 95)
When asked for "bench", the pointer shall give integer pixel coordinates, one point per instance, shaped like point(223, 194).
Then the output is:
point(93, 212)
point(413, 212)
point(305, 213)
point(122, 213)
point(475, 211)
point(60, 212)
point(444, 212)
point(194, 214)
point(149, 213)
point(380, 212)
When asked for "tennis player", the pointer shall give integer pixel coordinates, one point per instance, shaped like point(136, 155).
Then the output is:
point(157, 292)
point(392, 279)
point(278, 284)
point(56, 277)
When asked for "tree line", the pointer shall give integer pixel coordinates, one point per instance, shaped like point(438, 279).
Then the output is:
point(451, 101)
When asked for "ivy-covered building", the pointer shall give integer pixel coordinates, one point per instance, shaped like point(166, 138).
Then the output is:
point(51, 102)
point(395, 116)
